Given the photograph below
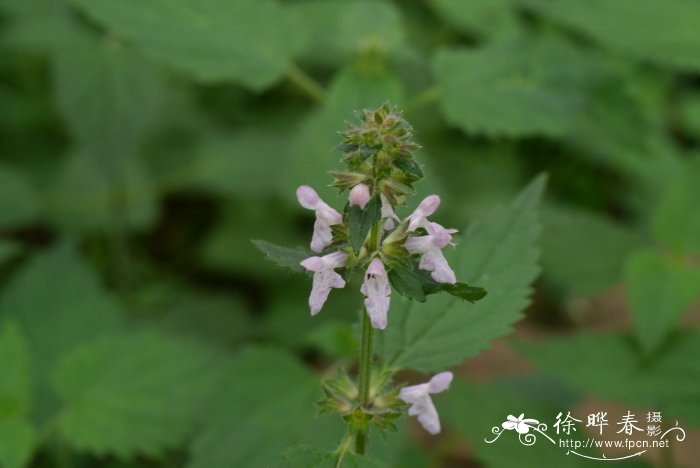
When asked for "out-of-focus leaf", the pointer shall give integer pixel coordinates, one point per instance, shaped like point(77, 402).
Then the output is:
point(336, 30)
point(675, 221)
point(625, 24)
point(261, 408)
point(610, 366)
point(17, 441)
point(16, 434)
point(106, 386)
point(482, 18)
point(312, 154)
point(109, 97)
point(473, 410)
point(307, 456)
point(85, 197)
point(15, 386)
point(283, 256)
point(660, 291)
point(8, 250)
point(58, 303)
point(18, 199)
point(498, 253)
point(247, 164)
point(249, 41)
point(229, 246)
point(514, 88)
point(584, 252)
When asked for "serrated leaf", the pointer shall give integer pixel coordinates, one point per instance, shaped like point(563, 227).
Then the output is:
point(15, 385)
point(407, 282)
point(108, 385)
point(263, 406)
point(58, 303)
point(498, 253)
point(249, 41)
point(516, 88)
point(17, 443)
point(610, 366)
point(307, 456)
point(602, 246)
point(660, 291)
point(465, 291)
point(360, 221)
point(286, 257)
point(625, 24)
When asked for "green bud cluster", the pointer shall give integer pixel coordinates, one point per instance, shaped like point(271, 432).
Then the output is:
point(379, 153)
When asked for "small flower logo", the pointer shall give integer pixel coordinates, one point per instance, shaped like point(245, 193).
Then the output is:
point(520, 424)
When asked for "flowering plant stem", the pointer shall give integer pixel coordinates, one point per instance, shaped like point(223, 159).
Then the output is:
point(366, 352)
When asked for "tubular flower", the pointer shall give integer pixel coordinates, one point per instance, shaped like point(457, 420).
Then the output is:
point(377, 293)
point(359, 195)
point(430, 247)
point(391, 220)
point(426, 208)
point(325, 277)
point(418, 396)
point(325, 217)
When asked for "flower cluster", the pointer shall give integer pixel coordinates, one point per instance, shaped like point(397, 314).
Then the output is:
point(393, 255)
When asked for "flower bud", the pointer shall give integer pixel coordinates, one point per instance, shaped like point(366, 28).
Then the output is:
point(359, 195)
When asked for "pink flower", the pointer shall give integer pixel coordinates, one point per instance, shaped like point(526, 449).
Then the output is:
point(377, 292)
point(418, 396)
point(430, 247)
point(325, 277)
point(391, 220)
point(425, 208)
point(325, 217)
point(359, 195)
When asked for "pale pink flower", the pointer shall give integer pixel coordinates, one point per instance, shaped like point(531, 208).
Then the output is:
point(326, 217)
point(430, 247)
point(426, 208)
point(325, 277)
point(390, 218)
point(377, 292)
point(359, 195)
point(418, 396)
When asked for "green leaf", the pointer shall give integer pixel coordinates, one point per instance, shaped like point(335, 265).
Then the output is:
point(597, 261)
point(465, 292)
point(263, 406)
point(58, 303)
point(106, 386)
point(610, 366)
point(408, 282)
point(516, 88)
point(15, 385)
point(660, 291)
point(624, 25)
point(19, 202)
point(482, 18)
point(360, 221)
point(674, 221)
point(472, 410)
point(306, 456)
point(109, 109)
point(286, 257)
point(71, 209)
point(499, 253)
point(17, 443)
point(249, 41)
point(8, 250)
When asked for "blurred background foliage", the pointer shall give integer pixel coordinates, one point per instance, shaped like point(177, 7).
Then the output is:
point(144, 143)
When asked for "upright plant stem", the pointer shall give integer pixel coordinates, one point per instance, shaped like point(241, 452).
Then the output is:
point(366, 354)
